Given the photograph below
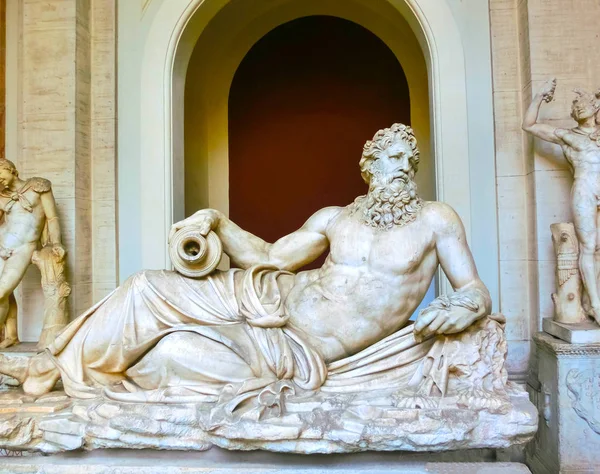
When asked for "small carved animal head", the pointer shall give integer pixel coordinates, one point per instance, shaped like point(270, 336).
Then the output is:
point(585, 105)
point(54, 253)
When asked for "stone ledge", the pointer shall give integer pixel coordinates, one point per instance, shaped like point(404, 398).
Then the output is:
point(218, 461)
point(587, 332)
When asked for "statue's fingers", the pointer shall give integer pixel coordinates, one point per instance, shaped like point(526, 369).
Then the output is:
point(453, 325)
point(446, 328)
point(430, 329)
point(437, 323)
point(205, 227)
point(424, 319)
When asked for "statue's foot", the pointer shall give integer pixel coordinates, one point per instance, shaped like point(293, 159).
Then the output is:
point(15, 367)
point(8, 342)
point(41, 377)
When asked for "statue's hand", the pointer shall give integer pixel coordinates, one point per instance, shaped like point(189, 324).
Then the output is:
point(547, 90)
point(443, 321)
point(205, 220)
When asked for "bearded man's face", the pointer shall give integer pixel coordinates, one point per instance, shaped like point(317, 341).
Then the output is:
point(392, 198)
point(393, 164)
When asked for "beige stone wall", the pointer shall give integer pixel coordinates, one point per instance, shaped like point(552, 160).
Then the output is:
point(66, 88)
point(516, 215)
point(66, 131)
point(533, 40)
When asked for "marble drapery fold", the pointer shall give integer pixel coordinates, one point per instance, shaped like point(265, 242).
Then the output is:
point(162, 337)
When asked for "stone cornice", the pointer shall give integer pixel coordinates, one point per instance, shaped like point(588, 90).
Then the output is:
point(564, 349)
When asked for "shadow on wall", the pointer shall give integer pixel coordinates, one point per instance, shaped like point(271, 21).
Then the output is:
point(302, 103)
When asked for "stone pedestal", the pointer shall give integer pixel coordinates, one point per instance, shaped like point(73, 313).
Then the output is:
point(568, 439)
point(586, 332)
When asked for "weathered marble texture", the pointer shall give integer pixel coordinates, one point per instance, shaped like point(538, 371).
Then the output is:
point(299, 362)
point(327, 424)
point(568, 440)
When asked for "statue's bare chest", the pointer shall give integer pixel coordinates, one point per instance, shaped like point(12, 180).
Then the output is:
point(581, 150)
point(398, 250)
point(24, 203)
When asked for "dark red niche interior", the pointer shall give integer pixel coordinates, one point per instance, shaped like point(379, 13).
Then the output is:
point(302, 103)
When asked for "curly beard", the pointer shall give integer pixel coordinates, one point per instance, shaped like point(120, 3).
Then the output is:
point(390, 202)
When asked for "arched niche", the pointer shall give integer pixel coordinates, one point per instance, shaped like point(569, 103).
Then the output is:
point(406, 26)
point(301, 105)
point(303, 100)
point(222, 46)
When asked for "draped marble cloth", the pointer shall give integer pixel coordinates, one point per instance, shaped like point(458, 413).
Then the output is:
point(162, 337)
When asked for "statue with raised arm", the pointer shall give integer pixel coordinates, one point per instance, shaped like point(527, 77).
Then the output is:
point(255, 341)
point(581, 148)
point(28, 212)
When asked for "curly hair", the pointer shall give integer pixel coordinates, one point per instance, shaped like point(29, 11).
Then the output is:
point(382, 140)
point(583, 98)
point(8, 165)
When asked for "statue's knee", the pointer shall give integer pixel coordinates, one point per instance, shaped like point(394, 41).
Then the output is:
point(176, 343)
point(587, 249)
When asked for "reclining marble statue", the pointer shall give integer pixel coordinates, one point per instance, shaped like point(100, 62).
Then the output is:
point(268, 354)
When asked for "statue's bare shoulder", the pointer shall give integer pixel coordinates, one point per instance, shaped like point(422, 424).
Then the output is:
point(442, 219)
point(321, 220)
point(40, 185)
point(328, 214)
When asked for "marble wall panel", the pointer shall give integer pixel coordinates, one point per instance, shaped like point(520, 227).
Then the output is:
point(504, 30)
point(509, 136)
point(67, 119)
point(2, 74)
point(502, 4)
point(513, 195)
point(104, 185)
point(512, 217)
point(552, 189)
point(45, 14)
point(514, 299)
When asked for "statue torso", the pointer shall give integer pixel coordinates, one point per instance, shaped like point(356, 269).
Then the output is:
point(583, 153)
point(368, 288)
point(20, 225)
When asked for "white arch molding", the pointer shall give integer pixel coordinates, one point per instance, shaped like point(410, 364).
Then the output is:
point(173, 34)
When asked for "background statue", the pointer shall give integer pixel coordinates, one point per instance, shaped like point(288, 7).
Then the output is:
point(29, 217)
point(581, 148)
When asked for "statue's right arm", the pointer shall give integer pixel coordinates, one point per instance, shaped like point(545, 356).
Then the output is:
point(530, 121)
point(245, 249)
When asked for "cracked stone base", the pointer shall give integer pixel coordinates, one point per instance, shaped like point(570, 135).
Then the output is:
point(338, 425)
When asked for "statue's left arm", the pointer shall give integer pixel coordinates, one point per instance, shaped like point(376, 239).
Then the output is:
point(471, 300)
point(49, 206)
point(245, 249)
